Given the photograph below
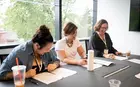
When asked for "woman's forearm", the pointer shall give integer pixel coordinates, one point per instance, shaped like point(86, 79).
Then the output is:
point(83, 55)
point(70, 61)
point(8, 76)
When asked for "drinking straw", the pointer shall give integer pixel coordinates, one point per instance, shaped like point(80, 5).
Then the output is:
point(18, 70)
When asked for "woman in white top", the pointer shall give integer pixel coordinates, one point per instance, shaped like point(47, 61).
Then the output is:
point(69, 46)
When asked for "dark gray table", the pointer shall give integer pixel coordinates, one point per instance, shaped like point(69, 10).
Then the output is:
point(83, 78)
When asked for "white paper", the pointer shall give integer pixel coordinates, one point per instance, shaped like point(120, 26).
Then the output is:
point(102, 62)
point(138, 76)
point(135, 61)
point(95, 66)
point(120, 58)
point(54, 76)
point(47, 78)
point(63, 72)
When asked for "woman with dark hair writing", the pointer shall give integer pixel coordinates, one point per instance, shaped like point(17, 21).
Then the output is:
point(36, 55)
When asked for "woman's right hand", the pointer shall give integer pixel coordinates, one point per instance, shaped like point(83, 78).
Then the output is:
point(82, 62)
point(31, 73)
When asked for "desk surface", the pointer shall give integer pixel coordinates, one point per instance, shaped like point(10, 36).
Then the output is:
point(83, 78)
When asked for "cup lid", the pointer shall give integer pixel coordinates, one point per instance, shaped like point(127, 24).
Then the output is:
point(20, 67)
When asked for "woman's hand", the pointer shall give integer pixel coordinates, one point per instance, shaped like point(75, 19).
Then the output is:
point(111, 56)
point(118, 53)
point(51, 67)
point(31, 73)
point(82, 62)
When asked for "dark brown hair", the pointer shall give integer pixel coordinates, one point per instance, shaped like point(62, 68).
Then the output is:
point(98, 24)
point(42, 36)
point(70, 28)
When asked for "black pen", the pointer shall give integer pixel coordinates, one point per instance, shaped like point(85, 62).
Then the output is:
point(32, 81)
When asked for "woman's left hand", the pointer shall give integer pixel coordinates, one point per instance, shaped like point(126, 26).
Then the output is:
point(51, 67)
point(118, 53)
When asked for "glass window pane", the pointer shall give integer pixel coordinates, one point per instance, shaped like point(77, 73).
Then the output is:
point(24, 16)
point(79, 12)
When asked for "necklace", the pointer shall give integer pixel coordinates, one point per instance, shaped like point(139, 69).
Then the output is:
point(103, 39)
point(68, 43)
point(38, 62)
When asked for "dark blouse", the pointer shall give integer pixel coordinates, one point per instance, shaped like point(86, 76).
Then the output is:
point(97, 44)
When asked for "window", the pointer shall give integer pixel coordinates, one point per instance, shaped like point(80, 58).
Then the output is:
point(24, 16)
point(21, 18)
point(80, 12)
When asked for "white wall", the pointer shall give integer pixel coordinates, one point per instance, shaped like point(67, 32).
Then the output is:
point(116, 12)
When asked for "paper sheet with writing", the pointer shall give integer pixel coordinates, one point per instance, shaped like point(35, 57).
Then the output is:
point(138, 76)
point(47, 78)
point(102, 62)
point(120, 58)
point(135, 61)
point(95, 66)
point(54, 76)
point(63, 72)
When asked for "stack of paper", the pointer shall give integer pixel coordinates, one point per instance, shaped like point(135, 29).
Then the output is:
point(120, 58)
point(138, 76)
point(54, 76)
point(102, 62)
point(95, 66)
point(135, 61)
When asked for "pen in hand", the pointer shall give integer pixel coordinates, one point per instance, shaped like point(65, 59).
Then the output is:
point(34, 82)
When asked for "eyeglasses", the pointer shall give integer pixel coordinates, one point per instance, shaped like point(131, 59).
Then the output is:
point(104, 27)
